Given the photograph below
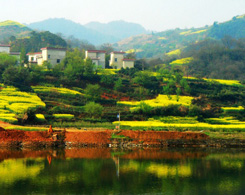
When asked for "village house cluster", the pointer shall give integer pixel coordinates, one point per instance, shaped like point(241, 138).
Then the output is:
point(117, 59)
point(56, 55)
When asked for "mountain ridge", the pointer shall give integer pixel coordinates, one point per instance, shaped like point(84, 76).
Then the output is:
point(96, 33)
point(156, 44)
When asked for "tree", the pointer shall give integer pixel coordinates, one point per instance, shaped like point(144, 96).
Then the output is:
point(142, 78)
point(118, 85)
point(19, 77)
point(178, 92)
point(47, 65)
point(107, 80)
point(23, 57)
point(93, 109)
point(77, 43)
point(145, 108)
point(5, 61)
point(107, 47)
point(73, 65)
point(93, 91)
point(89, 68)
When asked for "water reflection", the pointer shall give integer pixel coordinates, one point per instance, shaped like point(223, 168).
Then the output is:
point(106, 171)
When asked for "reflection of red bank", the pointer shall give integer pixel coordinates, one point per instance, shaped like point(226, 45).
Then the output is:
point(50, 129)
point(49, 158)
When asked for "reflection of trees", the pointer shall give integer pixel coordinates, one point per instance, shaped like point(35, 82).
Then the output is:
point(98, 176)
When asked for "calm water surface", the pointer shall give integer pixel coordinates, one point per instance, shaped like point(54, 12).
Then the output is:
point(106, 171)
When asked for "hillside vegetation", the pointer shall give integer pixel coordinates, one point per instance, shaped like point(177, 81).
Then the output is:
point(11, 28)
point(197, 85)
point(156, 44)
point(76, 94)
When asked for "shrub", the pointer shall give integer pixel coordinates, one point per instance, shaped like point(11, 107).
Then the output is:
point(93, 109)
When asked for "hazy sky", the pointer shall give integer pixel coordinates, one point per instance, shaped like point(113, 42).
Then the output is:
point(157, 15)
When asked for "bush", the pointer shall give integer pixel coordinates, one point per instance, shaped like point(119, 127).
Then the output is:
point(93, 109)
point(93, 91)
point(144, 108)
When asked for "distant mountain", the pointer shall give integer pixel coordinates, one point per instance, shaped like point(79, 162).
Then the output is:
point(70, 28)
point(11, 28)
point(157, 44)
point(96, 33)
point(119, 29)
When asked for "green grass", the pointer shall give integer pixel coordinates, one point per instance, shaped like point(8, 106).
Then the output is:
point(82, 124)
point(224, 120)
point(116, 136)
point(26, 128)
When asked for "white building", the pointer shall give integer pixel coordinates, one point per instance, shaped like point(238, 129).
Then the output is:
point(118, 61)
point(97, 57)
point(52, 55)
point(33, 57)
point(5, 49)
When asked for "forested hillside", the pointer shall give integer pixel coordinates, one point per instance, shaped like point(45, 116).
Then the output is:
point(77, 94)
point(222, 59)
point(156, 44)
point(37, 40)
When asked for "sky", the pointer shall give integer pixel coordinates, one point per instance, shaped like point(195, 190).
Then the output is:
point(155, 15)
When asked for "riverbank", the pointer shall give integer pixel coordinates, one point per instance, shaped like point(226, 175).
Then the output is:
point(111, 138)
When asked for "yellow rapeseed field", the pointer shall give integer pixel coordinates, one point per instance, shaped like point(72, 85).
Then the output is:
point(157, 123)
point(190, 32)
point(64, 116)
point(161, 101)
point(108, 71)
point(45, 89)
point(174, 52)
point(16, 101)
point(13, 101)
point(224, 82)
point(182, 61)
point(227, 109)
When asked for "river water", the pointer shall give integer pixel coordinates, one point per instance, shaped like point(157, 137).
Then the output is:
point(107, 171)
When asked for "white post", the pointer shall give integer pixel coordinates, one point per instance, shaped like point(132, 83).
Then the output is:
point(119, 122)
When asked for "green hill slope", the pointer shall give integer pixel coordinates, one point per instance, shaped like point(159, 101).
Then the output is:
point(11, 28)
point(156, 44)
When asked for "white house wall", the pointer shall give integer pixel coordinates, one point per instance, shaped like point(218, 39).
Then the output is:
point(53, 55)
point(116, 60)
point(4, 49)
point(128, 64)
